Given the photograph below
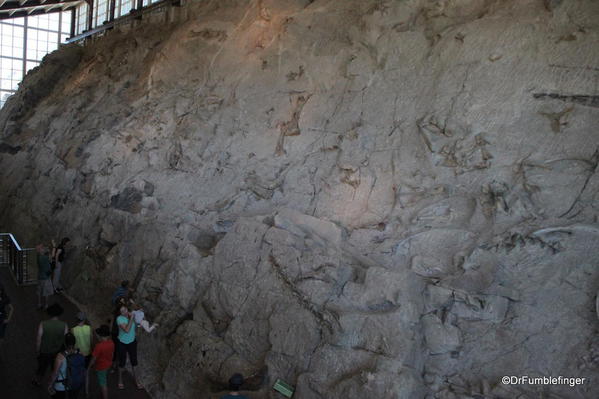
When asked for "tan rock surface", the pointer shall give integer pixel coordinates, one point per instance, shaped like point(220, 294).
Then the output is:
point(366, 199)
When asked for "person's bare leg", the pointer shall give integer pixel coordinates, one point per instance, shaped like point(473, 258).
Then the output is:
point(104, 392)
point(121, 376)
point(134, 375)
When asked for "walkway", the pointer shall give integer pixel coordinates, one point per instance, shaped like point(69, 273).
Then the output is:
point(17, 353)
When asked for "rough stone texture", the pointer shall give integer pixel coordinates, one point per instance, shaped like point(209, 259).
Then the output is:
point(366, 199)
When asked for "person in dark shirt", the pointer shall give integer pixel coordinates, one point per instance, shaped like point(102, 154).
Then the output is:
point(44, 274)
point(58, 256)
point(235, 383)
point(6, 311)
point(50, 337)
point(122, 292)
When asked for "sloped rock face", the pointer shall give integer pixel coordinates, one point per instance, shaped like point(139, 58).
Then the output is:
point(366, 199)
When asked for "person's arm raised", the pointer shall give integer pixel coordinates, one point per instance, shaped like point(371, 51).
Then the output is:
point(127, 327)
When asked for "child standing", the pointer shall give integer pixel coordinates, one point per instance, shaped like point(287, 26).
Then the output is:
point(102, 359)
point(83, 333)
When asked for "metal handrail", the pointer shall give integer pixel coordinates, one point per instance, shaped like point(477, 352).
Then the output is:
point(16, 258)
point(133, 14)
point(13, 239)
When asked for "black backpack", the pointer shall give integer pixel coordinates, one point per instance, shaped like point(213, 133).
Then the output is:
point(76, 371)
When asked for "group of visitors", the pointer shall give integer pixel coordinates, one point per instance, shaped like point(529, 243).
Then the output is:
point(72, 353)
point(69, 353)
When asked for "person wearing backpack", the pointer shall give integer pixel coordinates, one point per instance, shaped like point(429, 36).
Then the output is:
point(68, 374)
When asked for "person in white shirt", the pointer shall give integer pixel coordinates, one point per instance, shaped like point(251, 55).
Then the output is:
point(139, 317)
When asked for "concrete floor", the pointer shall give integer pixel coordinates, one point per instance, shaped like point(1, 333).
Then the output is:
point(17, 352)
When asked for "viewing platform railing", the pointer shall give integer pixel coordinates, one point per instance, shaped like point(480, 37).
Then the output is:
point(20, 261)
point(133, 15)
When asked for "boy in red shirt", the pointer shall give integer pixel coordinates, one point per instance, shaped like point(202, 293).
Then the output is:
point(102, 359)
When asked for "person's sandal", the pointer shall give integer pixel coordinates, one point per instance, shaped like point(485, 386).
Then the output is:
point(121, 386)
point(139, 385)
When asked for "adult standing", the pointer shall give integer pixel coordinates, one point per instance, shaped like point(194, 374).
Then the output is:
point(44, 273)
point(6, 311)
point(126, 344)
point(102, 359)
point(67, 378)
point(122, 292)
point(58, 257)
point(83, 334)
point(114, 332)
point(50, 338)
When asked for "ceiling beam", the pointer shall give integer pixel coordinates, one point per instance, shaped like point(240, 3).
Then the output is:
point(29, 4)
point(17, 13)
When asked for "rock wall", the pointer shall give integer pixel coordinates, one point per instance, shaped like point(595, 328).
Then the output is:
point(364, 198)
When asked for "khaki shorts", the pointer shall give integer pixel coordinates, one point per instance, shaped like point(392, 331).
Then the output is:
point(45, 287)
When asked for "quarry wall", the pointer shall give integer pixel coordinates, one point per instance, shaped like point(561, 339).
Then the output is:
point(366, 199)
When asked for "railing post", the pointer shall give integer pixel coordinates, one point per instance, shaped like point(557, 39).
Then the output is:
point(20, 267)
point(24, 265)
point(13, 259)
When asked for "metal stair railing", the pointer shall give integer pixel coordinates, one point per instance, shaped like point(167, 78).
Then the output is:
point(134, 14)
point(20, 261)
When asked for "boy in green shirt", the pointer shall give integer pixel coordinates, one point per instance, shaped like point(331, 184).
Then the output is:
point(83, 335)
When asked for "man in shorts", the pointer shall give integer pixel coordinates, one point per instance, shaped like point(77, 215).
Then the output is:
point(102, 359)
point(83, 334)
point(50, 338)
point(44, 274)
